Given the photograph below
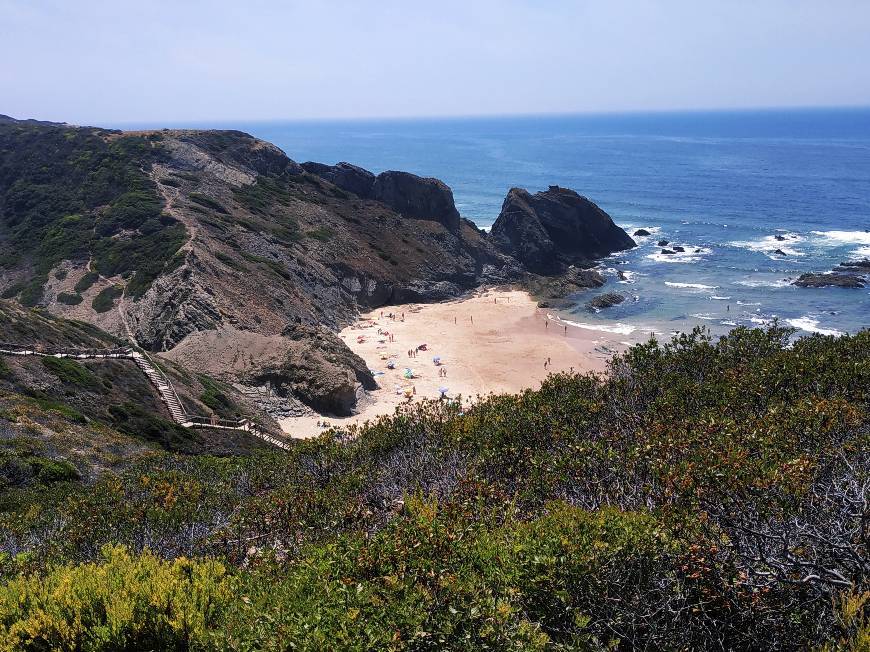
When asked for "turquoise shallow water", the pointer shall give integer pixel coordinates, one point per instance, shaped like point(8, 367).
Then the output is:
point(723, 185)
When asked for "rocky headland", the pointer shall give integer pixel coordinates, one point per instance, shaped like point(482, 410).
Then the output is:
point(219, 251)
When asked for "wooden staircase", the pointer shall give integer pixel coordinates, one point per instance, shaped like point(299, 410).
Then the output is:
point(158, 379)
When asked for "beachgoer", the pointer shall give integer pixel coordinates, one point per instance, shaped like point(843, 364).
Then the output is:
point(566, 330)
point(454, 320)
point(546, 324)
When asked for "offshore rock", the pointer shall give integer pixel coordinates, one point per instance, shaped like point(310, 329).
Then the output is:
point(551, 230)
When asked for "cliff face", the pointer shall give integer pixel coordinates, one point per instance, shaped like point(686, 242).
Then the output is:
point(550, 230)
point(422, 198)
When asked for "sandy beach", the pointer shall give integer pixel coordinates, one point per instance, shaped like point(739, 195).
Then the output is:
point(492, 342)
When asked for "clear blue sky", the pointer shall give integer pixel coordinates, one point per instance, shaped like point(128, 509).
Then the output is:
point(90, 61)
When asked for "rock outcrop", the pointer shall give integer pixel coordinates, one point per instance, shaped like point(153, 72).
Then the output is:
point(422, 198)
point(350, 178)
point(550, 230)
point(553, 291)
point(319, 370)
point(606, 300)
point(830, 279)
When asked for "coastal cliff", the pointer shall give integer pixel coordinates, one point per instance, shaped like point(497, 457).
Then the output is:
point(191, 242)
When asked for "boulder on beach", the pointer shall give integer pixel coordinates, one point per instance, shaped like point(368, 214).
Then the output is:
point(779, 237)
point(678, 249)
point(641, 232)
point(663, 243)
point(779, 252)
point(668, 252)
point(551, 230)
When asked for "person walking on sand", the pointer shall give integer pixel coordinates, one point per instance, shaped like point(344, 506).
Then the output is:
point(454, 320)
point(546, 324)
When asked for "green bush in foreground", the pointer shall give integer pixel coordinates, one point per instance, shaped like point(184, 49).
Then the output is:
point(701, 495)
point(122, 603)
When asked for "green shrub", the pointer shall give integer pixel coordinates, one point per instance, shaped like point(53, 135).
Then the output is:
point(69, 299)
point(72, 373)
point(85, 282)
point(121, 603)
point(214, 397)
point(61, 408)
point(105, 300)
point(207, 202)
point(134, 420)
point(322, 233)
point(49, 471)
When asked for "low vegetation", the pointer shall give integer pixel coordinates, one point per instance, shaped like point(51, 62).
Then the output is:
point(81, 194)
point(703, 495)
point(105, 299)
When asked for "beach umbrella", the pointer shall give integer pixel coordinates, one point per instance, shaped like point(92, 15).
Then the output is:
point(436, 359)
point(409, 373)
point(443, 391)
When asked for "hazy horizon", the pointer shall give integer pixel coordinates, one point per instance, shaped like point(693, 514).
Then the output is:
point(95, 62)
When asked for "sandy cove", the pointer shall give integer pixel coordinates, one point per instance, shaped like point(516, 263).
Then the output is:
point(491, 342)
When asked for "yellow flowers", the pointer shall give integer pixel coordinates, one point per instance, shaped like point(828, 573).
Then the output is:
point(114, 603)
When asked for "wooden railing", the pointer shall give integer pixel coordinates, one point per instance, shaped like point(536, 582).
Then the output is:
point(167, 393)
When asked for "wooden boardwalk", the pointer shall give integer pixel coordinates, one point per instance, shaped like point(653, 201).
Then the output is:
point(158, 379)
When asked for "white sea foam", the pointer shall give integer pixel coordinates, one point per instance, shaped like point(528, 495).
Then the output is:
point(757, 283)
point(691, 254)
point(621, 329)
point(747, 303)
point(629, 276)
point(713, 296)
point(769, 244)
point(807, 323)
point(704, 315)
point(844, 238)
point(694, 286)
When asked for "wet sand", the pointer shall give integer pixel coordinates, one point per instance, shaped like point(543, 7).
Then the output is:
point(492, 342)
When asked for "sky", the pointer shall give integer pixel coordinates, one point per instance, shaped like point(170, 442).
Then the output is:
point(93, 62)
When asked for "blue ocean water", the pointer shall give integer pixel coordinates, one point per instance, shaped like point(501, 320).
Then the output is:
point(723, 185)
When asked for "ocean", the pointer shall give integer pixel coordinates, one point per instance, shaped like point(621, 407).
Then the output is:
point(723, 185)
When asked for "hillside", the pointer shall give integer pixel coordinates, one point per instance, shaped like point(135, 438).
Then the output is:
point(94, 415)
point(704, 494)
